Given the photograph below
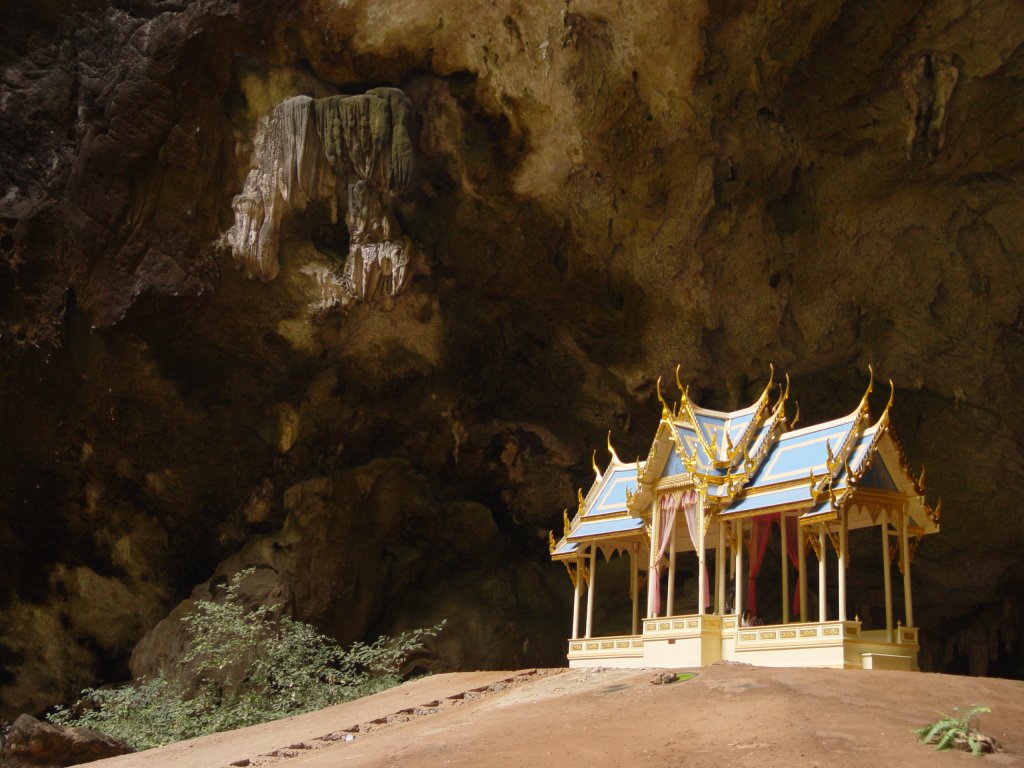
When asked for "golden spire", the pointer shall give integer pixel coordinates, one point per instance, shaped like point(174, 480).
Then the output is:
point(870, 389)
point(611, 450)
point(683, 393)
point(665, 412)
point(771, 380)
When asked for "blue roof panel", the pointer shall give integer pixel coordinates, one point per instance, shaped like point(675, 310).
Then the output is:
point(673, 465)
point(602, 527)
point(566, 549)
point(612, 496)
point(796, 454)
point(753, 502)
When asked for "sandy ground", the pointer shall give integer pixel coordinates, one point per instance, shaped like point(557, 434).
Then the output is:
point(731, 715)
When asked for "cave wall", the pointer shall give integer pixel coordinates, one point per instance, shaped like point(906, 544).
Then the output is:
point(604, 190)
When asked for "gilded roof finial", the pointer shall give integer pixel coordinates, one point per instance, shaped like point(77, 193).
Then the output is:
point(920, 479)
point(566, 527)
point(579, 496)
point(870, 389)
point(892, 396)
point(771, 380)
point(665, 412)
point(683, 393)
point(551, 541)
point(593, 463)
point(796, 416)
point(830, 461)
point(611, 450)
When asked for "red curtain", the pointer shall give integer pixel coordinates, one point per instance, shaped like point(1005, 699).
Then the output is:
point(759, 535)
point(759, 532)
point(792, 532)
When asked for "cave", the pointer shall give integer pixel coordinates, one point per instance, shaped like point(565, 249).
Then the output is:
point(386, 418)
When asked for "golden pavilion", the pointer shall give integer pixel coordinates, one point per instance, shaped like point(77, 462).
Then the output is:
point(724, 481)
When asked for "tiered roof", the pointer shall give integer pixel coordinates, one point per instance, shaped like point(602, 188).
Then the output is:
point(751, 462)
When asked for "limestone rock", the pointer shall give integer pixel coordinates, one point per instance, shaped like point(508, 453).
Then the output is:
point(354, 152)
point(31, 742)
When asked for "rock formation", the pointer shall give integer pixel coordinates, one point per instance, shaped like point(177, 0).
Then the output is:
point(596, 192)
point(33, 744)
point(354, 151)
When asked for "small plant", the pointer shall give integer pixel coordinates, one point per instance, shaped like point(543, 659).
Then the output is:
point(245, 666)
point(956, 731)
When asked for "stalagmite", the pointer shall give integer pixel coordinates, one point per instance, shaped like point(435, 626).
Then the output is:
point(319, 149)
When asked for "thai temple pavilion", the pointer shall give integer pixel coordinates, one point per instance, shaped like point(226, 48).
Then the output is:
point(724, 482)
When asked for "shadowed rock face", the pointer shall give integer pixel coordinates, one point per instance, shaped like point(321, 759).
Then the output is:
point(601, 192)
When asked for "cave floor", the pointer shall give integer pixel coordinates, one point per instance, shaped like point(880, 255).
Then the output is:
point(727, 714)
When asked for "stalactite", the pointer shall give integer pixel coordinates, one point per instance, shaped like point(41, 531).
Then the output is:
point(313, 149)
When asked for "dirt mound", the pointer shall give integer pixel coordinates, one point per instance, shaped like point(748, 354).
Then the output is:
point(723, 715)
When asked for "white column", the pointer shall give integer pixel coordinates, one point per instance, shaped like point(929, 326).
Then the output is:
point(590, 590)
point(739, 568)
point(785, 568)
point(887, 572)
point(720, 570)
point(822, 574)
point(577, 591)
point(671, 597)
point(801, 553)
point(702, 573)
point(907, 602)
point(841, 582)
point(634, 583)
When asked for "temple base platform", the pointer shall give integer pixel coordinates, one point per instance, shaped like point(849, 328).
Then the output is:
point(699, 640)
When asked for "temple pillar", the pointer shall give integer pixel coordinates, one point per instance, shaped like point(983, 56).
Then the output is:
point(634, 583)
point(801, 553)
point(905, 554)
point(841, 576)
point(822, 574)
point(739, 569)
point(590, 590)
point(577, 592)
point(720, 570)
point(785, 568)
point(887, 573)
point(702, 573)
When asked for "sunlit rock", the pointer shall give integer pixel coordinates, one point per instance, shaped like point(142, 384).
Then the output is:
point(356, 154)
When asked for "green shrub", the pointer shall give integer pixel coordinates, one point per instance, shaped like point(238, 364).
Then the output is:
point(245, 666)
point(956, 731)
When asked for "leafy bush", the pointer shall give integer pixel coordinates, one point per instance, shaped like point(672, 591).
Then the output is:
point(956, 731)
point(245, 666)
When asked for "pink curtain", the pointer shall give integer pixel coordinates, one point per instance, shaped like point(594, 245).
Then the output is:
point(759, 533)
point(667, 508)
